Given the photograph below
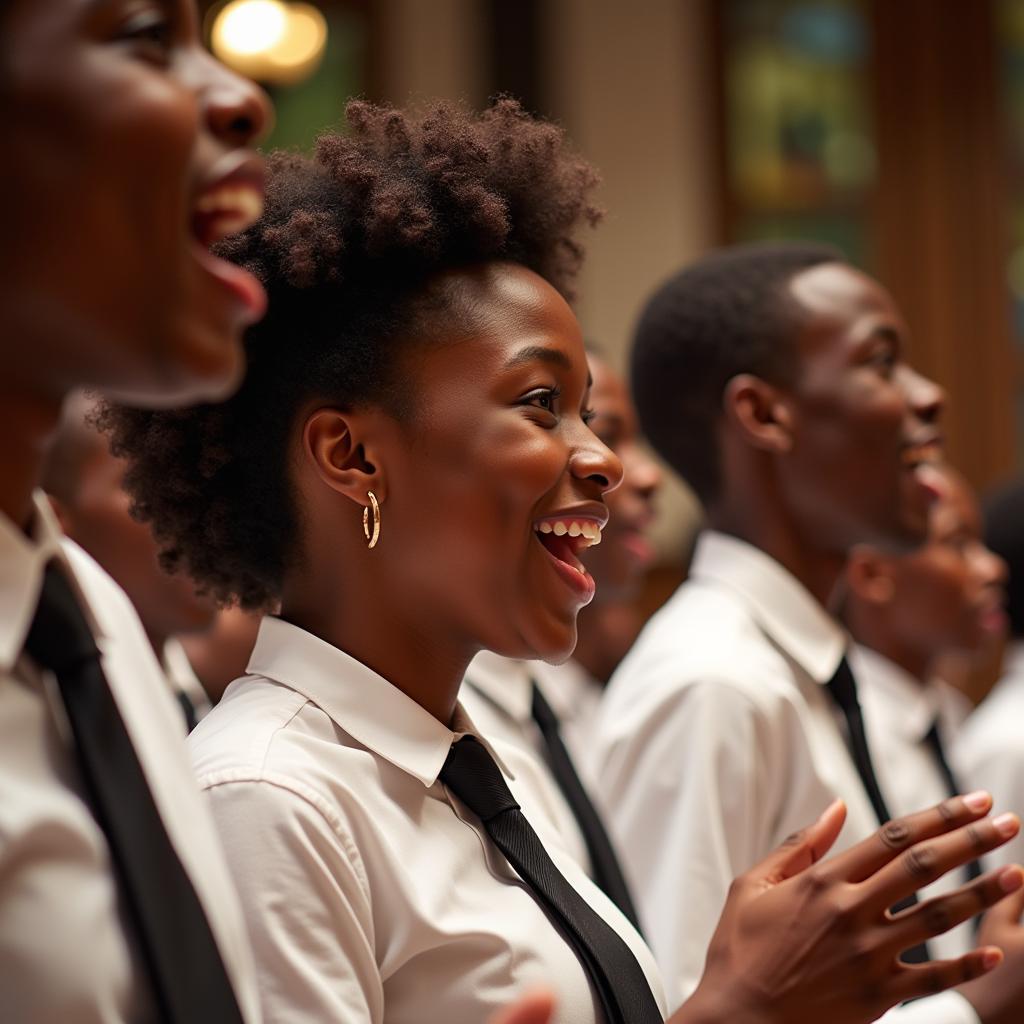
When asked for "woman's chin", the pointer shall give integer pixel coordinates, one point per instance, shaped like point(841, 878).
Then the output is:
point(553, 645)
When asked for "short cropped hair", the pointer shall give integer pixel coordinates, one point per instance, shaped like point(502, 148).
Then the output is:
point(724, 315)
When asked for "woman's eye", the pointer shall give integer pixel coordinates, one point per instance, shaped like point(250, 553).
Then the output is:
point(150, 33)
point(588, 416)
point(885, 361)
point(544, 398)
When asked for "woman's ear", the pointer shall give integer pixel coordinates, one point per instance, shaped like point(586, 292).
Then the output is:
point(337, 446)
point(760, 412)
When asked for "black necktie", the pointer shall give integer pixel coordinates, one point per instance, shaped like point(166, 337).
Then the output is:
point(188, 979)
point(843, 689)
point(934, 740)
point(471, 774)
point(605, 865)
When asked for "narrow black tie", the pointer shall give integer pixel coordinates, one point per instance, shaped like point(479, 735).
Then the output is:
point(188, 710)
point(934, 740)
point(471, 774)
point(188, 979)
point(607, 872)
point(843, 689)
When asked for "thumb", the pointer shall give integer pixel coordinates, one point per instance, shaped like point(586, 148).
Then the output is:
point(534, 1008)
point(803, 848)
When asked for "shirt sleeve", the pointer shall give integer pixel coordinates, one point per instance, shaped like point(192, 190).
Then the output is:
point(306, 903)
point(947, 1008)
point(686, 795)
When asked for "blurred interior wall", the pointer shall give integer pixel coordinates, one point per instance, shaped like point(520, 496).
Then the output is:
point(431, 49)
point(632, 83)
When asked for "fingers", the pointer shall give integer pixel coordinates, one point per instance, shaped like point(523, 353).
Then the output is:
point(923, 863)
point(1008, 912)
point(802, 849)
point(533, 1008)
point(916, 980)
point(867, 857)
point(938, 915)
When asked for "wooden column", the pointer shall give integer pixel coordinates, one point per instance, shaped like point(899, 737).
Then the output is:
point(940, 214)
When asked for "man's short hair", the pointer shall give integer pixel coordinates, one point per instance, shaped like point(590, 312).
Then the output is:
point(726, 314)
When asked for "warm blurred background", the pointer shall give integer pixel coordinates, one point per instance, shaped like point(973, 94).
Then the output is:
point(893, 128)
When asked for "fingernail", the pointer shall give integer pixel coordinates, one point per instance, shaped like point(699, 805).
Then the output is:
point(1011, 878)
point(992, 957)
point(979, 800)
point(1006, 825)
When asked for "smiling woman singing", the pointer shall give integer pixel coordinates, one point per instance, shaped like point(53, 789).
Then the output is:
point(408, 475)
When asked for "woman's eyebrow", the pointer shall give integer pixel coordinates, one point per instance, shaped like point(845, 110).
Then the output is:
point(541, 353)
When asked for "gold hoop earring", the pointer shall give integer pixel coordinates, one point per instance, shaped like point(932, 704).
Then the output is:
point(371, 535)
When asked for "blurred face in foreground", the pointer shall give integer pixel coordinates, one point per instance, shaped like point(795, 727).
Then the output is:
point(126, 155)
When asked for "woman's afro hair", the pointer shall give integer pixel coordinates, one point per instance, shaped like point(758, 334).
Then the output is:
point(348, 240)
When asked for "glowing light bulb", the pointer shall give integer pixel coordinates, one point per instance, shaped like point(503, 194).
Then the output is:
point(303, 41)
point(270, 40)
point(245, 28)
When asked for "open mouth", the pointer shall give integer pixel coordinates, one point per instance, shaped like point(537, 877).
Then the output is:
point(223, 210)
point(226, 210)
point(922, 460)
point(921, 453)
point(564, 538)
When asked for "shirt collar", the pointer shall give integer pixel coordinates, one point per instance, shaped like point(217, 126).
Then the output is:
point(363, 703)
point(505, 682)
point(23, 560)
point(783, 608)
point(911, 707)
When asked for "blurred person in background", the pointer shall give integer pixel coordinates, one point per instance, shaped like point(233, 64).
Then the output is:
point(990, 746)
point(773, 379)
point(906, 611)
point(219, 655)
point(84, 483)
point(126, 153)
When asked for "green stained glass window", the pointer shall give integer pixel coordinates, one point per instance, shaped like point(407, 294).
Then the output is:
point(800, 158)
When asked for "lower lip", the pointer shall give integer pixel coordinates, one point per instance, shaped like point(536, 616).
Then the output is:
point(580, 583)
point(638, 546)
point(993, 620)
point(929, 480)
point(243, 286)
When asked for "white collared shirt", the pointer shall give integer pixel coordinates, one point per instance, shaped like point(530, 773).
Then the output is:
point(899, 713)
point(497, 694)
point(182, 679)
point(65, 952)
point(716, 740)
point(372, 895)
point(990, 748)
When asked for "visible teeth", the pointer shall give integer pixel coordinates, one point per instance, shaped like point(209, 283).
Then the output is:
point(236, 206)
point(589, 531)
point(918, 453)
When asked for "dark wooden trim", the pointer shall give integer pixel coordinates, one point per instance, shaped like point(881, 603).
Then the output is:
point(514, 39)
point(941, 211)
point(725, 210)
